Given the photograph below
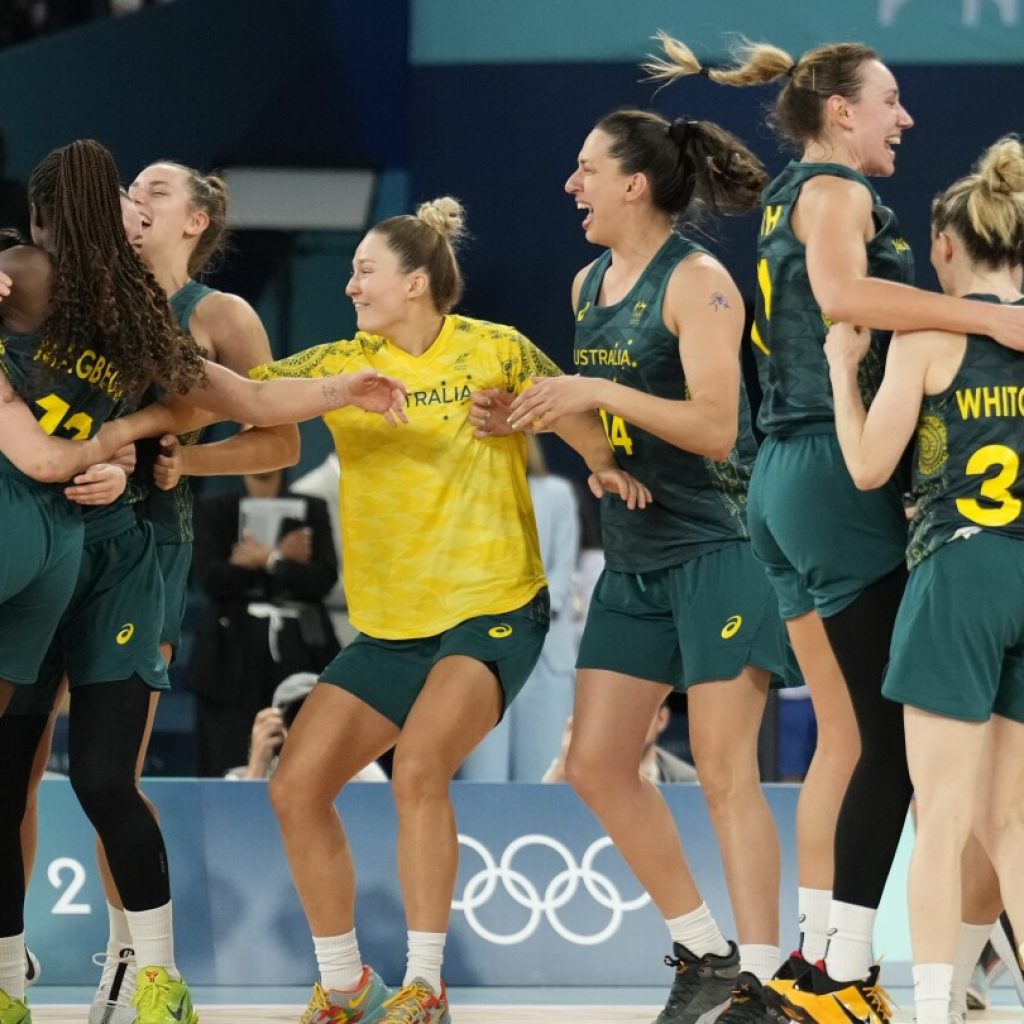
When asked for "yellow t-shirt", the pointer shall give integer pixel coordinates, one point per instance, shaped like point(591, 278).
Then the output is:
point(437, 525)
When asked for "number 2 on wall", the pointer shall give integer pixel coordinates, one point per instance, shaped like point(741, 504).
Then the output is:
point(66, 902)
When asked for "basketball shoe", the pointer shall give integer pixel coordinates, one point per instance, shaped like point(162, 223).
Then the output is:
point(746, 1002)
point(415, 1003)
point(14, 1011)
point(819, 999)
point(159, 999)
point(112, 1003)
point(333, 1006)
point(701, 986)
point(792, 972)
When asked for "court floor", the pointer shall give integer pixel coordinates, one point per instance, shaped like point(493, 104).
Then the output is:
point(471, 1014)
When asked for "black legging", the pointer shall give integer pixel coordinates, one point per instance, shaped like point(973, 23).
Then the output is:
point(106, 726)
point(19, 738)
point(874, 810)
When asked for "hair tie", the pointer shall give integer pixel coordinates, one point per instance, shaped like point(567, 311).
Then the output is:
point(679, 130)
point(705, 71)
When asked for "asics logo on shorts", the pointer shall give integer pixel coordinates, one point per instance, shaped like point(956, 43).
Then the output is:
point(125, 633)
point(501, 631)
point(732, 626)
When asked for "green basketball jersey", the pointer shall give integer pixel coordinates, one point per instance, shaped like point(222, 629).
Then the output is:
point(789, 327)
point(699, 504)
point(70, 404)
point(170, 512)
point(970, 442)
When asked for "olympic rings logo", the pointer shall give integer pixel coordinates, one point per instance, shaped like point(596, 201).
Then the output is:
point(559, 891)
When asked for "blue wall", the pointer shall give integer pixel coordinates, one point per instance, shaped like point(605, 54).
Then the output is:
point(549, 902)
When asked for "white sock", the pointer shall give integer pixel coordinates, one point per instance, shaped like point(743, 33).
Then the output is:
point(120, 935)
point(426, 953)
point(341, 966)
point(814, 906)
point(12, 965)
point(970, 943)
point(760, 961)
point(931, 992)
point(848, 956)
point(153, 938)
point(698, 932)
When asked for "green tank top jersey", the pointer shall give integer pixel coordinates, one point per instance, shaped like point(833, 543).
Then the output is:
point(170, 512)
point(970, 444)
point(699, 505)
point(789, 327)
point(73, 403)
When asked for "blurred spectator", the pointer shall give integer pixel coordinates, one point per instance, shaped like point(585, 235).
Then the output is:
point(323, 482)
point(271, 727)
point(656, 763)
point(265, 617)
point(797, 733)
point(13, 199)
point(519, 748)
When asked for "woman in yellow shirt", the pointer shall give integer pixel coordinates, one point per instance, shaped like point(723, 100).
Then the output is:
point(445, 584)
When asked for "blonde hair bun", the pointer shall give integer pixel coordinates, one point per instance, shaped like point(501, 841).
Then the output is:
point(1001, 167)
point(445, 215)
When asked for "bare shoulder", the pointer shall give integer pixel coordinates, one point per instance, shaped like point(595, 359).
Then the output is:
point(231, 330)
point(701, 281)
point(31, 271)
point(577, 282)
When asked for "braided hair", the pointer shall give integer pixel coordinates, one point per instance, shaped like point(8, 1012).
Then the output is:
point(101, 295)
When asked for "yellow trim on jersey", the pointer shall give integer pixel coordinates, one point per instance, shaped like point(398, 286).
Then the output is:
point(437, 525)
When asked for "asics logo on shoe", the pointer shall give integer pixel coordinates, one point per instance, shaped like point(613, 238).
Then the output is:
point(849, 1014)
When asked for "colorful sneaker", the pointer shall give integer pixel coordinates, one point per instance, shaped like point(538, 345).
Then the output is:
point(14, 1011)
point(32, 968)
point(334, 1006)
point(746, 1002)
point(702, 985)
point(112, 1003)
point(792, 972)
point(415, 1003)
point(819, 999)
point(159, 999)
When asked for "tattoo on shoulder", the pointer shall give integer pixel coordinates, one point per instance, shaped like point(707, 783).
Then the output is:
point(719, 301)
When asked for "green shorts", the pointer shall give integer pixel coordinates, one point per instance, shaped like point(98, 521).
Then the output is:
point(700, 621)
point(175, 560)
point(390, 674)
point(111, 628)
point(822, 541)
point(38, 570)
point(958, 643)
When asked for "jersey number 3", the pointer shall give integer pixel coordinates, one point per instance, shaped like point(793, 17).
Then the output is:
point(996, 489)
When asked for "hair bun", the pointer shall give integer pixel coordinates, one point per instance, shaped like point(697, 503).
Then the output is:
point(1001, 168)
point(445, 215)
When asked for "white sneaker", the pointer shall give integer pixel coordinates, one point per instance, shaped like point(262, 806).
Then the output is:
point(32, 968)
point(112, 1003)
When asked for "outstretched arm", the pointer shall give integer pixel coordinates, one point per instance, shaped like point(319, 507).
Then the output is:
point(833, 214)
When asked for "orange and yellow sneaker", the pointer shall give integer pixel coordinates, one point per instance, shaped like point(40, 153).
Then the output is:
point(416, 1003)
point(350, 1006)
point(819, 999)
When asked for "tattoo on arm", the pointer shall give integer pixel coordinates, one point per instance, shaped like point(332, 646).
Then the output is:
point(719, 301)
point(330, 392)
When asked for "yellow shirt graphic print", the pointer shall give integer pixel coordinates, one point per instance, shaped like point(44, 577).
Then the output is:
point(437, 525)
